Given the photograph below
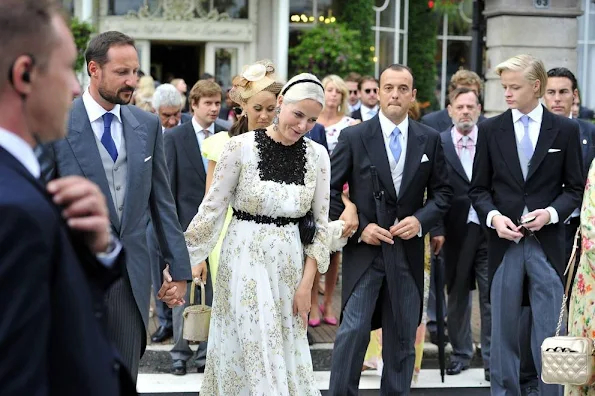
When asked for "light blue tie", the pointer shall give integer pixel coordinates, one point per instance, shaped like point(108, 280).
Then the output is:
point(106, 138)
point(395, 144)
point(526, 145)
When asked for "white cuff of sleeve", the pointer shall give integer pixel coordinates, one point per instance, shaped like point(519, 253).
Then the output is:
point(108, 259)
point(554, 218)
point(491, 215)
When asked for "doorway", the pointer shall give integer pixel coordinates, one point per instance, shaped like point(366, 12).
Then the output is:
point(174, 60)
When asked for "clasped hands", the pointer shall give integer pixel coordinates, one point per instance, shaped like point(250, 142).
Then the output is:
point(173, 293)
point(405, 229)
point(506, 229)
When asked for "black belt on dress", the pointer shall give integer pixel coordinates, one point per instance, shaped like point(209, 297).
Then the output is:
point(278, 221)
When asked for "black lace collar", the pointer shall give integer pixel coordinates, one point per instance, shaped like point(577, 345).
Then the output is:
point(278, 162)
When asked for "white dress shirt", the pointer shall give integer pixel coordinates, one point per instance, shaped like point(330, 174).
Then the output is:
point(355, 107)
point(200, 137)
point(535, 118)
point(367, 112)
point(96, 112)
point(23, 153)
point(396, 168)
point(456, 137)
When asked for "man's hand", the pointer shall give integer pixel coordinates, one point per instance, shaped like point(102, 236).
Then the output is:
point(199, 272)
point(505, 228)
point(349, 216)
point(436, 244)
point(542, 217)
point(407, 228)
point(373, 234)
point(84, 209)
point(172, 293)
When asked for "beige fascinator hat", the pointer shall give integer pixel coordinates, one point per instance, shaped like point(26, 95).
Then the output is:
point(255, 78)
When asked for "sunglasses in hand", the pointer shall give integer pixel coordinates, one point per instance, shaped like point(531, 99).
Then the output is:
point(522, 222)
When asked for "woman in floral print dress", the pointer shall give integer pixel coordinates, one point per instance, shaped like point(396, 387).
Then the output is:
point(271, 177)
point(582, 300)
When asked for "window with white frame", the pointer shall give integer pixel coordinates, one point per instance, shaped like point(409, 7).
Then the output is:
point(586, 54)
point(454, 47)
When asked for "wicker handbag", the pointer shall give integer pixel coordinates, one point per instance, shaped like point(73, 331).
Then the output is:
point(568, 360)
point(197, 317)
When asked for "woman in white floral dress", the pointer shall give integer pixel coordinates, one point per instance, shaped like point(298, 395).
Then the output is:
point(271, 178)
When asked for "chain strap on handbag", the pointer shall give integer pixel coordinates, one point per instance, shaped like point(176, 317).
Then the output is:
point(568, 360)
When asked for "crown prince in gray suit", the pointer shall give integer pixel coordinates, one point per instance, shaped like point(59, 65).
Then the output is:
point(120, 148)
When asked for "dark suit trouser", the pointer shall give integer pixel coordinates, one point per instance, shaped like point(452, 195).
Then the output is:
point(125, 327)
point(181, 349)
point(164, 313)
point(545, 294)
point(460, 303)
point(398, 346)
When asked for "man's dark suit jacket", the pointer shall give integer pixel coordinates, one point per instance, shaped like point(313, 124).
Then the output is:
point(318, 134)
point(362, 146)
point(587, 131)
point(357, 114)
point(555, 178)
point(185, 118)
point(585, 113)
point(187, 173)
point(51, 297)
point(455, 221)
point(440, 120)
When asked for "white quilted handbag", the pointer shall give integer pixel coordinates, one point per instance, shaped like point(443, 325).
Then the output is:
point(568, 360)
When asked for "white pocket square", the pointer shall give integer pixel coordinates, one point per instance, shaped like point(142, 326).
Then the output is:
point(148, 158)
point(553, 150)
point(424, 158)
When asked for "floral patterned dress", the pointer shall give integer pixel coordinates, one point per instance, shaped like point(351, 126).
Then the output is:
point(257, 346)
point(582, 301)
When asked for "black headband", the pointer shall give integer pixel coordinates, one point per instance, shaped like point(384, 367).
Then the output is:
point(299, 82)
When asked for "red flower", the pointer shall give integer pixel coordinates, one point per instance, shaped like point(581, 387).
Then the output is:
point(581, 284)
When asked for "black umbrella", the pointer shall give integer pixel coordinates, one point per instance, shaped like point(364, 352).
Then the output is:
point(439, 284)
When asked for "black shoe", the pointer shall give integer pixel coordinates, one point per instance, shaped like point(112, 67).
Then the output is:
point(434, 338)
point(455, 368)
point(486, 375)
point(178, 367)
point(162, 334)
point(200, 369)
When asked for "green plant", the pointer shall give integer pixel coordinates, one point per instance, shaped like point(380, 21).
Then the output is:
point(82, 34)
point(328, 49)
point(359, 15)
point(423, 30)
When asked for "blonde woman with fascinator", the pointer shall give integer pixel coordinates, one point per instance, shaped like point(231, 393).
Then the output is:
point(278, 185)
point(256, 91)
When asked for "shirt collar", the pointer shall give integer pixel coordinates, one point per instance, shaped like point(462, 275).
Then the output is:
point(21, 150)
point(535, 115)
point(198, 128)
point(367, 109)
point(388, 126)
point(458, 135)
point(94, 109)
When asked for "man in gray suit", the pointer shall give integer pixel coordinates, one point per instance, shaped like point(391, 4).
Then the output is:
point(188, 174)
point(120, 148)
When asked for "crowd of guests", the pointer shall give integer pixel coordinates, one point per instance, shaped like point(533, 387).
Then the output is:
point(311, 175)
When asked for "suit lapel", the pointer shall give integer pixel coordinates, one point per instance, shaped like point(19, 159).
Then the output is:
point(135, 136)
point(547, 135)
point(508, 147)
point(451, 156)
point(82, 141)
point(374, 143)
point(193, 151)
point(416, 144)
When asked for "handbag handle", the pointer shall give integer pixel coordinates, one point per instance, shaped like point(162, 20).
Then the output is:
point(202, 293)
point(569, 271)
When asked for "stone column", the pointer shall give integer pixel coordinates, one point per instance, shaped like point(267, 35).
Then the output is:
point(281, 38)
point(522, 26)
